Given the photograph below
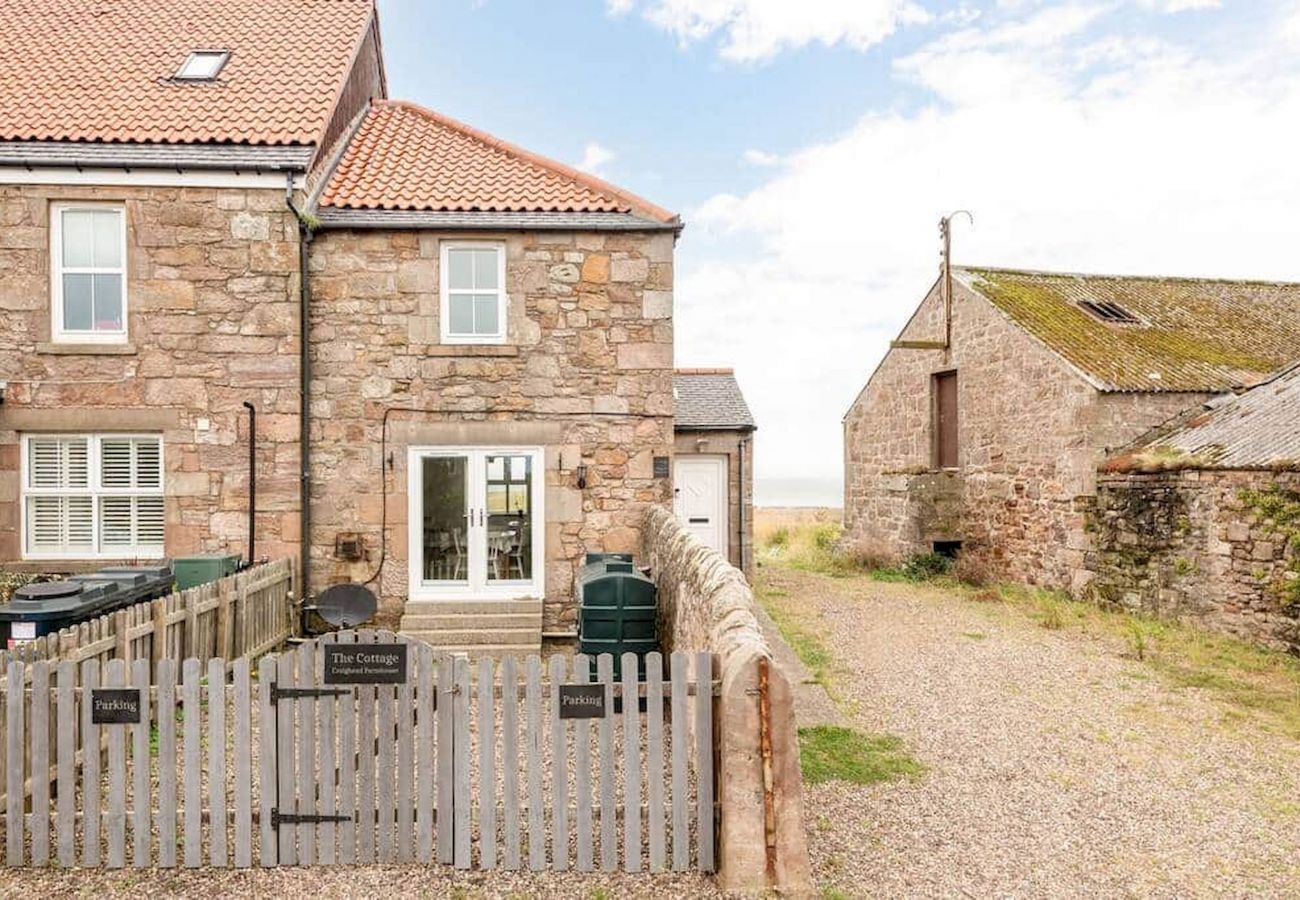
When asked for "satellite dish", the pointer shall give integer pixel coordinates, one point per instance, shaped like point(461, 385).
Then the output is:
point(346, 605)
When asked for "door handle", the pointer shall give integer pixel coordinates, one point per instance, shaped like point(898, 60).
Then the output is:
point(698, 520)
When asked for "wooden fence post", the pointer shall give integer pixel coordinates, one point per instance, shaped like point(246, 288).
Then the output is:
point(122, 648)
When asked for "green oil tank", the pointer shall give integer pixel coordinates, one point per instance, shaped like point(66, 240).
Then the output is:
point(616, 609)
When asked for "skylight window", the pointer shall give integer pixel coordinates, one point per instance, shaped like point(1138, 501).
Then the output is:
point(1111, 313)
point(203, 65)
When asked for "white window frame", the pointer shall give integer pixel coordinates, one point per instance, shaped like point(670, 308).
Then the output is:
point(94, 490)
point(476, 585)
point(444, 293)
point(58, 333)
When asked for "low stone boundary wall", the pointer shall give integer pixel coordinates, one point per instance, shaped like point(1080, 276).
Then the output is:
point(706, 604)
point(1191, 544)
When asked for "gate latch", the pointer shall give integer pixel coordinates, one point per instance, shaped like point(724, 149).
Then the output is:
point(278, 818)
point(294, 693)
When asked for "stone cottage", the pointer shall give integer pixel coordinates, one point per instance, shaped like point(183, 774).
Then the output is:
point(460, 353)
point(1201, 520)
point(713, 469)
point(982, 428)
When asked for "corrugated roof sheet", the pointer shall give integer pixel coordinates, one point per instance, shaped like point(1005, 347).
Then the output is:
point(709, 398)
point(1193, 334)
point(1257, 429)
point(98, 70)
point(406, 157)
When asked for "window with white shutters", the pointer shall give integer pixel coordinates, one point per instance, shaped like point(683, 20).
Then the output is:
point(92, 496)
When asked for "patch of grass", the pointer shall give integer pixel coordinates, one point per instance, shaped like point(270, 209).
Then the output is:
point(1050, 613)
point(974, 635)
point(830, 892)
point(832, 753)
point(808, 646)
point(804, 539)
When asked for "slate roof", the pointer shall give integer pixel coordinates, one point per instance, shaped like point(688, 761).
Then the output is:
point(406, 157)
point(101, 70)
point(1198, 335)
point(1259, 429)
point(708, 399)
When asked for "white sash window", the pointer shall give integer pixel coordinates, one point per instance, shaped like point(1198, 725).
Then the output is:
point(92, 496)
point(88, 270)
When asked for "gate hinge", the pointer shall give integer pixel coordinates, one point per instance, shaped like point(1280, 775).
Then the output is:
point(278, 818)
point(293, 693)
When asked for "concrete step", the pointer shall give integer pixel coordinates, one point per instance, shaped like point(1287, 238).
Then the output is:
point(493, 651)
point(471, 607)
point(481, 622)
point(530, 637)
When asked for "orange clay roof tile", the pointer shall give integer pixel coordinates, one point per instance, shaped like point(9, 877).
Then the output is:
point(101, 70)
point(406, 157)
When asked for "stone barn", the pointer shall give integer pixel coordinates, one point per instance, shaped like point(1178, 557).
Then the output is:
point(1202, 520)
point(982, 428)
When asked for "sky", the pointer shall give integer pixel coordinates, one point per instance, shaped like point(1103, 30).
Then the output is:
point(812, 146)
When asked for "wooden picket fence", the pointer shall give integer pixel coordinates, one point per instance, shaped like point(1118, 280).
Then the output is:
point(246, 614)
point(242, 616)
point(459, 764)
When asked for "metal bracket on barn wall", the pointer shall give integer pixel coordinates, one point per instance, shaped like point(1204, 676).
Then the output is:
point(945, 287)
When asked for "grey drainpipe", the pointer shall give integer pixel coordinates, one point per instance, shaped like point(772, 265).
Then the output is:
point(305, 232)
point(740, 488)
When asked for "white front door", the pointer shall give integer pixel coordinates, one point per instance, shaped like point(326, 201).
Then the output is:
point(475, 522)
point(700, 498)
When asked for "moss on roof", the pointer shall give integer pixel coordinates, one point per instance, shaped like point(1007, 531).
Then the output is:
point(1194, 334)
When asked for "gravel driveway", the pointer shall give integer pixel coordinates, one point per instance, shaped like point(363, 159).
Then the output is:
point(1056, 766)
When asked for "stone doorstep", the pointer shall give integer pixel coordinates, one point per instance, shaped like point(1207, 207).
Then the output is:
point(470, 607)
point(491, 651)
point(477, 621)
point(458, 637)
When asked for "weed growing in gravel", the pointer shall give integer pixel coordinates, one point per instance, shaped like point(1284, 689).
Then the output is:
point(1264, 684)
point(830, 753)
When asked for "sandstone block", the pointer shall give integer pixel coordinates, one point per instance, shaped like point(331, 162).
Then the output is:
point(645, 356)
point(657, 304)
point(629, 270)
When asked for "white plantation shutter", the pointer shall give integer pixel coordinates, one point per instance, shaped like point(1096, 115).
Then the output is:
point(94, 496)
point(58, 462)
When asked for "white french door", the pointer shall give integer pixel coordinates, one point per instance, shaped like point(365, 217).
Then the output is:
point(476, 522)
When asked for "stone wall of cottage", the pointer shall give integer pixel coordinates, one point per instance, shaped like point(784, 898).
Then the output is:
point(586, 373)
point(212, 319)
point(740, 486)
point(1031, 433)
point(1194, 545)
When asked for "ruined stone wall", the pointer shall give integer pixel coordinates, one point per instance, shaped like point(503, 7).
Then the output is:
point(586, 374)
point(212, 322)
point(740, 486)
point(1189, 544)
point(1031, 433)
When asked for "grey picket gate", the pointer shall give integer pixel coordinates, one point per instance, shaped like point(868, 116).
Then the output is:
point(469, 765)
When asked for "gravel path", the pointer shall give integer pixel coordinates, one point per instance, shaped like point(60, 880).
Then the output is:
point(1056, 767)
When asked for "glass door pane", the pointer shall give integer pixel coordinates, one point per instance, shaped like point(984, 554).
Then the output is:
point(509, 488)
point(445, 519)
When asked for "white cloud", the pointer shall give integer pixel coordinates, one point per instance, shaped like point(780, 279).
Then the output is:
point(595, 157)
point(760, 158)
point(757, 30)
point(1075, 148)
point(1177, 6)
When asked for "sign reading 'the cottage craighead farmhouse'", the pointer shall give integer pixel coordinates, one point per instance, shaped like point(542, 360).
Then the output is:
point(365, 663)
point(115, 706)
point(582, 701)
